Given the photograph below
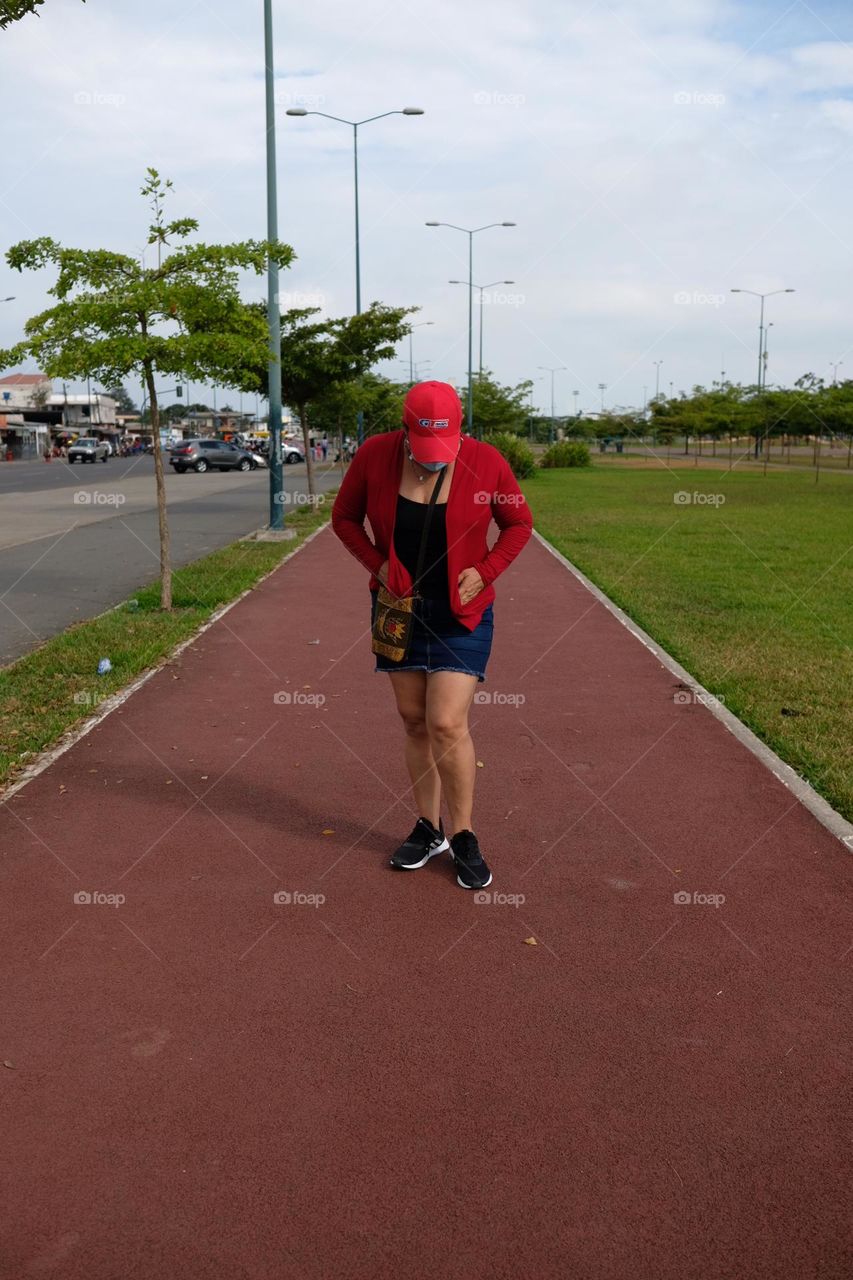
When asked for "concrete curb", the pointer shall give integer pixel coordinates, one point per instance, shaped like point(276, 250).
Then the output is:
point(802, 790)
point(115, 700)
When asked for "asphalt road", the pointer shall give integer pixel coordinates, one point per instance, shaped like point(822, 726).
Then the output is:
point(76, 540)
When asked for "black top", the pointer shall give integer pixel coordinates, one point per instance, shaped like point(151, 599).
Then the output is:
point(408, 528)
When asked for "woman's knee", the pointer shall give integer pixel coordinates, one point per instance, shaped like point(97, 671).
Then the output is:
point(445, 727)
point(414, 721)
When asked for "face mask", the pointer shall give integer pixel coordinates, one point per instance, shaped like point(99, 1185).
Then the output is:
point(432, 466)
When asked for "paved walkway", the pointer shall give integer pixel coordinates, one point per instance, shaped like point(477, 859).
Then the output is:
point(391, 1081)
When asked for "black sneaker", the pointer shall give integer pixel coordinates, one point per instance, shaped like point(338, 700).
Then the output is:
point(424, 843)
point(471, 870)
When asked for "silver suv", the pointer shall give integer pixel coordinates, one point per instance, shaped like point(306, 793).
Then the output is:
point(88, 449)
point(210, 455)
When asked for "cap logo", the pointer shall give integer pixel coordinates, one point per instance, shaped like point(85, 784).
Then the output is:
point(433, 424)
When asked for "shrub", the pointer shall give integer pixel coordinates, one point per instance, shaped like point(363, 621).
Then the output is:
point(566, 453)
point(518, 454)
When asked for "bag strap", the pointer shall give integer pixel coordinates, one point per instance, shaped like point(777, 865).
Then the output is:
point(427, 522)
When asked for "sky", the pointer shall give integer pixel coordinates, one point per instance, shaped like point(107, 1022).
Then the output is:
point(654, 155)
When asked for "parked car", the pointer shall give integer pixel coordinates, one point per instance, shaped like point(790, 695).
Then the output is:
point(209, 455)
point(88, 449)
point(292, 451)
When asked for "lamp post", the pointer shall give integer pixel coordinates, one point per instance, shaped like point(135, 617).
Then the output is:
point(556, 369)
point(657, 376)
point(419, 325)
point(602, 386)
point(481, 287)
point(276, 520)
point(835, 367)
point(762, 296)
point(470, 233)
point(355, 125)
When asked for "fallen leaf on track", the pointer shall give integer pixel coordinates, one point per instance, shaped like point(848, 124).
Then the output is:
point(531, 942)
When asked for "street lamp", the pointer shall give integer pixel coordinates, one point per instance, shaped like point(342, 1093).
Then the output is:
point(355, 126)
point(762, 296)
point(419, 325)
point(657, 364)
point(470, 233)
point(12, 299)
point(602, 386)
point(481, 287)
point(835, 367)
point(559, 368)
point(276, 520)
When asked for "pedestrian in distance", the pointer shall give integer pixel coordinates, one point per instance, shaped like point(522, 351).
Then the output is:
point(430, 494)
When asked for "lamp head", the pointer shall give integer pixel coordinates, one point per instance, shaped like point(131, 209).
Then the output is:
point(413, 111)
point(296, 111)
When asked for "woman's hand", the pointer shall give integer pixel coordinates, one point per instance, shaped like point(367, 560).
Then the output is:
point(382, 574)
point(470, 584)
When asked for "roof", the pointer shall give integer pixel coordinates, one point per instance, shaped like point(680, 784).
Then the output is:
point(23, 379)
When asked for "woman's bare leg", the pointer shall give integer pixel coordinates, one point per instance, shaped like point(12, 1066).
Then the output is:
point(448, 699)
point(410, 689)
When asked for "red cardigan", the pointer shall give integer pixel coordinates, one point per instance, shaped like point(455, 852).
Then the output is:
point(482, 488)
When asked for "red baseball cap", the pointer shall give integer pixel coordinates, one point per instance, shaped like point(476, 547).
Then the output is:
point(433, 414)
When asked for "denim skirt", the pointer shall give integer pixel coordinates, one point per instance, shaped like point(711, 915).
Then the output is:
point(440, 642)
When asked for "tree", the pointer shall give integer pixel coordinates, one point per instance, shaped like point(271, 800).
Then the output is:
point(497, 408)
point(114, 318)
point(14, 10)
point(318, 357)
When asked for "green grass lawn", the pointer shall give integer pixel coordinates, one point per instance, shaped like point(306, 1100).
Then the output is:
point(753, 596)
point(49, 691)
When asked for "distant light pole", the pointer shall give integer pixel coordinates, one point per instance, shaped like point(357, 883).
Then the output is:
point(559, 368)
point(419, 325)
point(761, 360)
point(470, 233)
point(835, 367)
point(602, 386)
point(762, 296)
point(657, 364)
point(481, 287)
point(355, 125)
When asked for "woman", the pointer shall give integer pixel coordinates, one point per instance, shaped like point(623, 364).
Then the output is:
point(390, 481)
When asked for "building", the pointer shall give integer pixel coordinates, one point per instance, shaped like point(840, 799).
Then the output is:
point(82, 414)
point(24, 391)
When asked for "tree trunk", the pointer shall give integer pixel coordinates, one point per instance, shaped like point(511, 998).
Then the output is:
point(165, 541)
point(309, 460)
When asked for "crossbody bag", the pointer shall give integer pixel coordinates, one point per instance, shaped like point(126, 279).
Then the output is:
point(392, 625)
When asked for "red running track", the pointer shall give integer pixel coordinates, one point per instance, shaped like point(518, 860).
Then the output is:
point(206, 1084)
